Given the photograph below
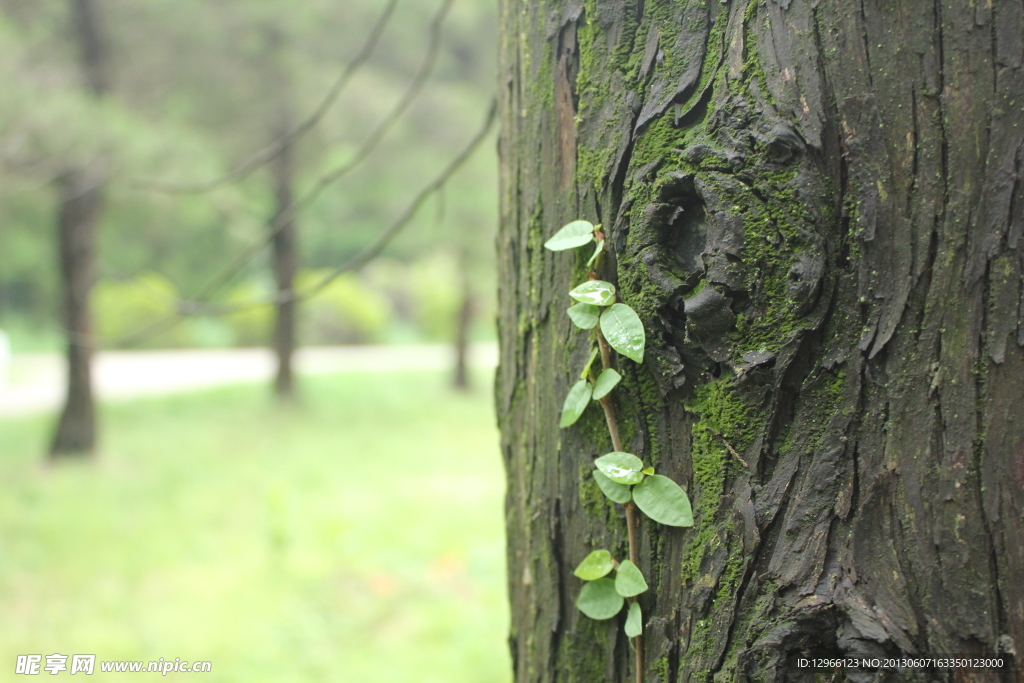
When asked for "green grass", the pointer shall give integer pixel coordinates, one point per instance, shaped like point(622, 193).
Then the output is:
point(357, 538)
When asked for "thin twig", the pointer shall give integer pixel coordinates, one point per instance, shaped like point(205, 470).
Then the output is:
point(278, 145)
point(731, 449)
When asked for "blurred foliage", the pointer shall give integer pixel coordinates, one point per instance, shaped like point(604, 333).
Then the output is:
point(389, 301)
point(194, 94)
point(249, 325)
point(345, 312)
point(121, 309)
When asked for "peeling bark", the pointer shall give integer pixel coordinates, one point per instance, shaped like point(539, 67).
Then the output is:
point(816, 208)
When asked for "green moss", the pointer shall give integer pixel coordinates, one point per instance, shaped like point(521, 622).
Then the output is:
point(591, 497)
point(661, 670)
point(598, 62)
point(725, 416)
point(700, 642)
point(652, 407)
point(593, 162)
point(592, 83)
point(656, 143)
point(542, 88)
point(583, 658)
point(773, 241)
point(749, 619)
point(697, 290)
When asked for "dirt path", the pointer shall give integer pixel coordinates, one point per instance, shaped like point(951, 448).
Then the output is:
point(35, 381)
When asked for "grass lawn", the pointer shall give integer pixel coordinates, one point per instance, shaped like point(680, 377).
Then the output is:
point(357, 538)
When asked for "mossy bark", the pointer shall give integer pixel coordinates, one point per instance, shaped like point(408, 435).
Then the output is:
point(816, 208)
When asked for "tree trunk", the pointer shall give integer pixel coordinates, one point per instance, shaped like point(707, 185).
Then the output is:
point(284, 231)
point(463, 322)
point(81, 201)
point(816, 208)
point(286, 263)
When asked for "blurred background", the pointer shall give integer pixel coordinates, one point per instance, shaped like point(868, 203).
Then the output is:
point(246, 337)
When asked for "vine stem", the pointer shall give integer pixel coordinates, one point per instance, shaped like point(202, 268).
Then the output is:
point(631, 518)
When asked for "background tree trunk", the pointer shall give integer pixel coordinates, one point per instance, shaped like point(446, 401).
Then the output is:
point(816, 208)
point(286, 264)
point(284, 228)
point(81, 202)
point(464, 321)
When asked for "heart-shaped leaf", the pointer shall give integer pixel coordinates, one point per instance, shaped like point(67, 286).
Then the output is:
point(621, 326)
point(662, 500)
point(622, 468)
point(595, 565)
point(572, 235)
point(628, 580)
point(598, 599)
point(575, 403)
point(606, 381)
point(596, 292)
point(585, 316)
point(616, 492)
point(634, 621)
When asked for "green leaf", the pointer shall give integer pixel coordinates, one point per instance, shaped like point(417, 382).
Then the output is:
point(634, 621)
point(662, 500)
point(585, 316)
point(596, 292)
point(628, 580)
point(572, 235)
point(622, 468)
point(575, 403)
point(590, 361)
point(616, 492)
point(597, 252)
point(621, 326)
point(598, 599)
point(648, 471)
point(606, 381)
point(595, 565)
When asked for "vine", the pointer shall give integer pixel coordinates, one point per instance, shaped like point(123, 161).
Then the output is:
point(621, 476)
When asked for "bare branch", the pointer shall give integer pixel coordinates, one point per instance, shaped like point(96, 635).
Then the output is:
point(371, 142)
point(289, 212)
point(372, 251)
point(277, 146)
point(199, 307)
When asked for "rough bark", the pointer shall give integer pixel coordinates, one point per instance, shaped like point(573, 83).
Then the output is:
point(816, 208)
point(80, 204)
